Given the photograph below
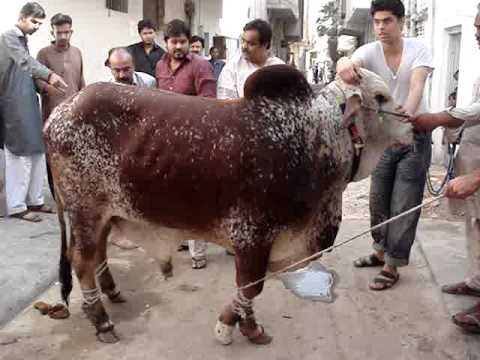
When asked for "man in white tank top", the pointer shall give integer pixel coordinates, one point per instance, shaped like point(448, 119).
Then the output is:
point(398, 181)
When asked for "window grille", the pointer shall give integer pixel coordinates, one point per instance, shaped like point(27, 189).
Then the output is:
point(420, 29)
point(118, 5)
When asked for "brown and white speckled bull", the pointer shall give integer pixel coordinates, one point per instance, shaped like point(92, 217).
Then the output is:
point(262, 176)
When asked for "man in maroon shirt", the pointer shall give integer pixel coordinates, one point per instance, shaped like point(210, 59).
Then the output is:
point(190, 74)
point(180, 71)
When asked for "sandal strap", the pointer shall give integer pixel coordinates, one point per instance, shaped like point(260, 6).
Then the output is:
point(27, 216)
point(369, 260)
point(475, 317)
point(386, 279)
point(460, 288)
point(389, 275)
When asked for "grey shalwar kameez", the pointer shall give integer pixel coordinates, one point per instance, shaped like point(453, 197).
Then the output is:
point(467, 161)
point(22, 122)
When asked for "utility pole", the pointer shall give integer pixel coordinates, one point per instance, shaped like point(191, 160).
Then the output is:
point(333, 34)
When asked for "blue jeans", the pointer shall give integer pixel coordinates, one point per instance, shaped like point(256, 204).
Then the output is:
point(397, 185)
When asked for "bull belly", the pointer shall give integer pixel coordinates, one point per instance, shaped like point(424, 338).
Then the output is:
point(160, 241)
point(288, 247)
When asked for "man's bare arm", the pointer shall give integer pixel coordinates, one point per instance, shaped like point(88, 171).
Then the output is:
point(417, 86)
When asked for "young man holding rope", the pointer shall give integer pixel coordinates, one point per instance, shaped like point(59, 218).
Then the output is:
point(398, 181)
point(465, 186)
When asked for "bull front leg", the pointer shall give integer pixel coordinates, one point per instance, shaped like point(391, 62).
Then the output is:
point(252, 252)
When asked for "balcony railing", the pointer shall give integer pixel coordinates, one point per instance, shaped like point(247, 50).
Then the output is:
point(287, 9)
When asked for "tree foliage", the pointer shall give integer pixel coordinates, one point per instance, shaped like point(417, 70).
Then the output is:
point(327, 18)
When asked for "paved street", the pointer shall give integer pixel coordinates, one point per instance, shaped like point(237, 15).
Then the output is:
point(174, 319)
point(28, 260)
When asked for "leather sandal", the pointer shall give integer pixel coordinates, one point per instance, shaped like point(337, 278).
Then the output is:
point(27, 216)
point(199, 263)
point(385, 279)
point(42, 209)
point(371, 260)
point(468, 320)
point(460, 288)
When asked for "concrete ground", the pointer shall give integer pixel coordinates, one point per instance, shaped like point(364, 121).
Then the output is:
point(174, 319)
point(28, 262)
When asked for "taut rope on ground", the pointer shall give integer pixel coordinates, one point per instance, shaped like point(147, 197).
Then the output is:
point(319, 253)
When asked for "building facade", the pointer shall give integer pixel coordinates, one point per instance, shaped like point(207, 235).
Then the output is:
point(447, 29)
point(96, 29)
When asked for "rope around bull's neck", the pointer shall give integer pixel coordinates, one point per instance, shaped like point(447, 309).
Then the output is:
point(319, 253)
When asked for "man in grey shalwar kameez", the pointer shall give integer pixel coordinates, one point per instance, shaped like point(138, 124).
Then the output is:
point(22, 123)
point(465, 186)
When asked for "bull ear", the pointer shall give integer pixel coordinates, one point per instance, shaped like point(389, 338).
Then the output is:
point(352, 108)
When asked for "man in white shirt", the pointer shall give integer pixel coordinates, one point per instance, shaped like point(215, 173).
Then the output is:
point(398, 181)
point(120, 62)
point(256, 41)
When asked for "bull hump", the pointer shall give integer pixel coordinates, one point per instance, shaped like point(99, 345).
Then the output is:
point(278, 82)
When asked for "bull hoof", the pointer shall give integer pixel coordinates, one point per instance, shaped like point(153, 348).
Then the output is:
point(108, 337)
point(117, 298)
point(259, 337)
point(224, 333)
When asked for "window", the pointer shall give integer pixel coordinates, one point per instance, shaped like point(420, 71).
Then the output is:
point(118, 5)
point(420, 29)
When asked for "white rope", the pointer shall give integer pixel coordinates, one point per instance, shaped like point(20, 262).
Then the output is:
point(319, 253)
point(91, 296)
point(101, 268)
point(241, 304)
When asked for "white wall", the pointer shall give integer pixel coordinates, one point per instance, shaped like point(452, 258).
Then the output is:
point(206, 20)
point(96, 29)
point(174, 10)
point(234, 17)
point(449, 14)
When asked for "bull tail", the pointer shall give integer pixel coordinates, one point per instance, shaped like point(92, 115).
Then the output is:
point(65, 267)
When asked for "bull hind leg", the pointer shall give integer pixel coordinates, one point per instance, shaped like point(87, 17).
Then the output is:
point(103, 273)
point(252, 251)
point(87, 232)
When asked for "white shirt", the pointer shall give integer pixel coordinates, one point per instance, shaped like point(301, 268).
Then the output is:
point(235, 73)
point(415, 54)
point(141, 79)
point(467, 159)
point(470, 114)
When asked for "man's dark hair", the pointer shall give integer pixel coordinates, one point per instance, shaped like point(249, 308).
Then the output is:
point(394, 6)
point(32, 9)
point(264, 31)
point(211, 49)
point(146, 24)
point(176, 28)
point(60, 19)
point(196, 38)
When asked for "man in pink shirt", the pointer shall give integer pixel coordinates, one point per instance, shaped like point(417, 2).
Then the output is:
point(181, 71)
point(186, 73)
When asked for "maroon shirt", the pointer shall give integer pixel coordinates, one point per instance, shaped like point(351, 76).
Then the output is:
point(193, 77)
